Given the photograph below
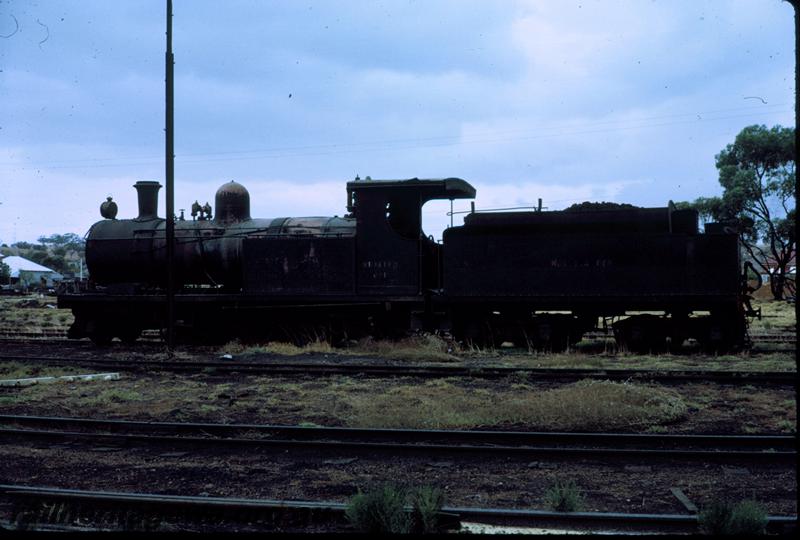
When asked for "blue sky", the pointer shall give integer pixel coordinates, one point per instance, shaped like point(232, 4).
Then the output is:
point(569, 101)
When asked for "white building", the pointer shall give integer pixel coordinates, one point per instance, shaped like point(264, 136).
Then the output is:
point(27, 274)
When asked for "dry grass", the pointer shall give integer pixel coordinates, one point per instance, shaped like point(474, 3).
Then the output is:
point(32, 314)
point(514, 402)
point(117, 396)
point(425, 348)
point(586, 404)
point(776, 316)
point(17, 370)
point(285, 349)
point(445, 403)
point(773, 361)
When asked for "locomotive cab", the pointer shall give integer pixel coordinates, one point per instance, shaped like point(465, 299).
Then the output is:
point(396, 258)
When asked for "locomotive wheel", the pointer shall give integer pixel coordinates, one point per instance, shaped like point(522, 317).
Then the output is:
point(389, 325)
point(675, 345)
point(100, 338)
point(720, 337)
point(550, 339)
point(640, 342)
point(99, 333)
point(129, 335)
point(476, 333)
point(553, 333)
point(679, 331)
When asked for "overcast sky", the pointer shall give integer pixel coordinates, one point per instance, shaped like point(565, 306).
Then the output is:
point(567, 101)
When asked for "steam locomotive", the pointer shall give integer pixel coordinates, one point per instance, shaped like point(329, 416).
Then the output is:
point(531, 278)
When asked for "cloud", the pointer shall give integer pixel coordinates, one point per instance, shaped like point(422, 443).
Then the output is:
point(199, 91)
point(555, 196)
point(38, 202)
point(519, 93)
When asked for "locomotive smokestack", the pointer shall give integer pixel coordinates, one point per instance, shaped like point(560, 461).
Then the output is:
point(148, 200)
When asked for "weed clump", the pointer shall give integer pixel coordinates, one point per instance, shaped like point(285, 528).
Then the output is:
point(787, 426)
point(380, 511)
point(385, 510)
point(277, 347)
point(421, 348)
point(727, 518)
point(564, 496)
point(427, 502)
point(585, 405)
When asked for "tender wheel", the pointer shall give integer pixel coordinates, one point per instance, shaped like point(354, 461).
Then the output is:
point(641, 334)
point(719, 339)
point(101, 339)
point(554, 333)
point(719, 334)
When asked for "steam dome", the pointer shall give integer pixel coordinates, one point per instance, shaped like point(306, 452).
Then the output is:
point(232, 203)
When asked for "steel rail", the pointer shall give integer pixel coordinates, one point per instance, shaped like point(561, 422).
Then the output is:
point(560, 452)
point(413, 447)
point(311, 368)
point(149, 336)
point(662, 440)
point(490, 515)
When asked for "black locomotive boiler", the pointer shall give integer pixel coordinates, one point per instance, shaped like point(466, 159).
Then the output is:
point(538, 279)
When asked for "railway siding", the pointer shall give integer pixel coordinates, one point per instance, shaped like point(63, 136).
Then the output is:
point(561, 446)
point(301, 514)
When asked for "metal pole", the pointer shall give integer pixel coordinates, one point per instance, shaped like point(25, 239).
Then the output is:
point(451, 212)
point(170, 177)
point(796, 123)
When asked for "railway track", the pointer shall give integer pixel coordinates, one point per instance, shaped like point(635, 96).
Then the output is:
point(559, 445)
point(154, 336)
point(52, 334)
point(37, 497)
point(377, 370)
point(774, 338)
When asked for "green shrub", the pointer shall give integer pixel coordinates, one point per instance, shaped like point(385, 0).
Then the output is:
point(564, 497)
point(787, 426)
point(427, 503)
point(716, 518)
point(380, 511)
point(385, 510)
point(749, 517)
point(726, 518)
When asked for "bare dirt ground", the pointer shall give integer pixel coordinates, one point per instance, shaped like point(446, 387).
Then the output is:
point(503, 483)
point(701, 408)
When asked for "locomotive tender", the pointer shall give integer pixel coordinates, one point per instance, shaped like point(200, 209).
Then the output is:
point(532, 278)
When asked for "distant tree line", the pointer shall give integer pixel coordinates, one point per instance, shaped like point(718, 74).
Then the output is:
point(60, 252)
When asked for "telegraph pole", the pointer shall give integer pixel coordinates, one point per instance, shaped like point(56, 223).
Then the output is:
point(796, 6)
point(170, 180)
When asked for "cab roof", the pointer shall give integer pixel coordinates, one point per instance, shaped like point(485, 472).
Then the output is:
point(434, 188)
